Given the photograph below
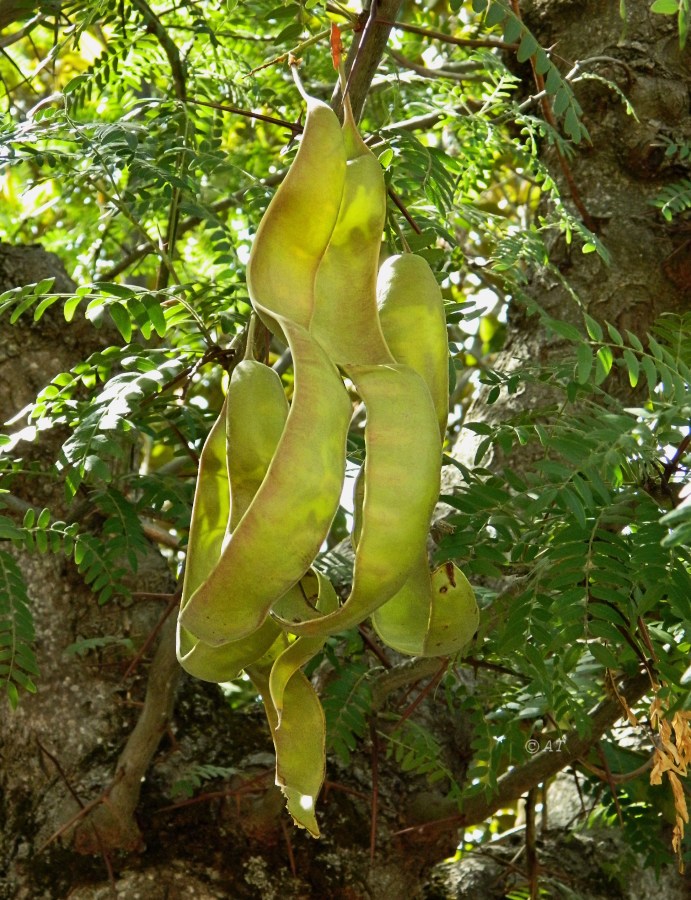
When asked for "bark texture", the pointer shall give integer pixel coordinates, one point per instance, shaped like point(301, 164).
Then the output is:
point(617, 178)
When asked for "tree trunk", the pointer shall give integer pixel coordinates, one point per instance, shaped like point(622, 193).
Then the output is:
point(616, 178)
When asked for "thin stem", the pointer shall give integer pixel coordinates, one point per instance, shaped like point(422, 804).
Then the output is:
point(249, 114)
point(447, 38)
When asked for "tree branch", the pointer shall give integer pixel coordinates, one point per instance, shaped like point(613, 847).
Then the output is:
point(546, 763)
point(365, 55)
point(113, 819)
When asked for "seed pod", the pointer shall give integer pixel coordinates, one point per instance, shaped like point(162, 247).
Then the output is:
point(395, 522)
point(299, 742)
point(257, 413)
point(345, 320)
point(297, 225)
point(243, 442)
point(432, 615)
point(411, 311)
point(288, 519)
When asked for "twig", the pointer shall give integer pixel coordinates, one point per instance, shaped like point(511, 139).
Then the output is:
point(447, 38)
point(375, 788)
point(294, 127)
point(401, 206)
point(530, 843)
point(429, 687)
point(426, 72)
point(173, 601)
point(610, 782)
point(289, 847)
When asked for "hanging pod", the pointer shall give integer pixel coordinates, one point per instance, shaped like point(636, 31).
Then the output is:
point(289, 517)
point(297, 225)
point(238, 452)
point(434, 613)
point(411, 313)
point(398, 403)
point(299, 742)
point(345, 319)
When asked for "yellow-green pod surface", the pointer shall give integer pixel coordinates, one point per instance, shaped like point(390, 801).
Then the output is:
point(345, 320)
point(257, 413)
point(411, 311)
point(254, 416)
point(299, 741)
point(289, 517)
point(210, 513)
point(225, 662)
point(297, 225)
point(401, 489)
point(432, 615)
point(210, 509)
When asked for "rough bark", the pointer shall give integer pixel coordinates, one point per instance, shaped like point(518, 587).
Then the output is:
point(617, 177)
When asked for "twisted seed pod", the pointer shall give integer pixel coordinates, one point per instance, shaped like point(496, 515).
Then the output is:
point(299, 743)
point(238, 451)
point(288, 519)
point(411, 312)
point(345, 320)
point(395, 522)
point(297, 225)
point(346, 324)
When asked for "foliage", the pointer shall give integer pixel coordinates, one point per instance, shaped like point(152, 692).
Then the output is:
point(133, 146)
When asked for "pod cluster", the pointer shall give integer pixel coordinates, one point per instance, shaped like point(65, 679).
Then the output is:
point(271, 474)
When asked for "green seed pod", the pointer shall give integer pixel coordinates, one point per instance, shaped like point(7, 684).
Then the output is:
point(395, 522)
point(411, 311)
point(297, 225)
point(288, 519)
point(299, 741)
point(345, 320)
point(257, 413)
point(432, 615)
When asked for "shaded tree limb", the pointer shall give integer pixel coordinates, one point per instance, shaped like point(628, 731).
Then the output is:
point(546, 763)
point(113, 819)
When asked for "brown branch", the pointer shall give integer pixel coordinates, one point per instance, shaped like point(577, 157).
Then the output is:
point(404, 210)
point(114, 816)
point(365, 55)
point(447, 38)
point(546, 763)
point(294, 127)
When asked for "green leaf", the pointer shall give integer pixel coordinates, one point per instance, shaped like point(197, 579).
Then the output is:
point(121, 320)
point(584, 363)
point(632, 366)
point(527, 47)
point(593, 327)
